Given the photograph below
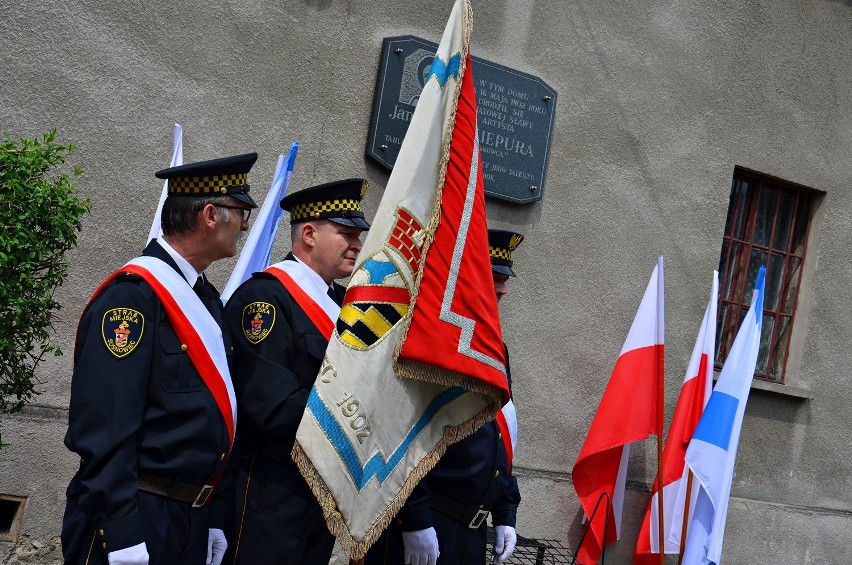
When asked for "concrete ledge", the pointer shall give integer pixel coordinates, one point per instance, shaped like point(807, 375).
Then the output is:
point(785, 390)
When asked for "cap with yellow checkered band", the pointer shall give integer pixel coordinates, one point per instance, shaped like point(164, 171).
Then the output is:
point(227, 176)
point(501, 243)
point(338, 201)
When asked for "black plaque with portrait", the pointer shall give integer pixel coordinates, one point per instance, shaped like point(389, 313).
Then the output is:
point(514, 117)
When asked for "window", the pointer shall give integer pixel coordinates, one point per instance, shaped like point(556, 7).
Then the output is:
point(768, 221)
point(11, 516)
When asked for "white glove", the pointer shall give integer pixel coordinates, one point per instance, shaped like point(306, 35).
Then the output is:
point(421, 547)
point(216, 546)
point(505, 539)
point(134, 555)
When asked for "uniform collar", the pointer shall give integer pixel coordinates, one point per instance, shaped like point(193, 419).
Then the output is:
point(187, 270)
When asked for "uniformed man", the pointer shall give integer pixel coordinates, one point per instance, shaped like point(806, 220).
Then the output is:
point(281, 320)
point(152, 405)
point(444, 519)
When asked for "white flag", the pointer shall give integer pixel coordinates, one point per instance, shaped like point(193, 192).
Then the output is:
point(177, 160)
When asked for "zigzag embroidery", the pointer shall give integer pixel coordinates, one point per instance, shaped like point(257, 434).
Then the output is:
point(377, 466)
point(442, 71)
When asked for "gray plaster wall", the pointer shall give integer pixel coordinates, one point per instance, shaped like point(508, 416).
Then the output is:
point(658, 102)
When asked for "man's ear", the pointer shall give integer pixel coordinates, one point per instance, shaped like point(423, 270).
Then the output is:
point(208, 216)
point(309, 234)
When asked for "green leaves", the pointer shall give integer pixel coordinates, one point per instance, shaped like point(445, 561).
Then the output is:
point(40, 217)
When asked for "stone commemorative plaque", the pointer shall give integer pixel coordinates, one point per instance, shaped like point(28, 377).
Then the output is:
point(515, 117)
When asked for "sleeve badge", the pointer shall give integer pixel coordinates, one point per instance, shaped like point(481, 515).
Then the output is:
point(122, 330)
point(258, 321)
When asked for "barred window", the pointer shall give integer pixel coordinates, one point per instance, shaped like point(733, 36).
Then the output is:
point(768, 223)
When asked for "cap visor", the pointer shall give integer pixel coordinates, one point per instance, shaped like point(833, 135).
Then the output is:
point(503, 270)
point(354, 222)
point(245, 198)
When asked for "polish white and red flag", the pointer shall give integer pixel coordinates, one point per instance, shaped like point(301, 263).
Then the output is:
point(694, 394)
point(630, 410)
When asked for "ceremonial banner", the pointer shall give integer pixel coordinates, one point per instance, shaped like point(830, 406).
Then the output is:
point(257, 251)
point(629, 411)
point(712, 453)
point(177, 159)
point(416, 361)
point(694, 394)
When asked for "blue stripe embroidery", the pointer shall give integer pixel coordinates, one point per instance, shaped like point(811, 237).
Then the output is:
point(442, 71)
point(717, 422)
point(376, 466)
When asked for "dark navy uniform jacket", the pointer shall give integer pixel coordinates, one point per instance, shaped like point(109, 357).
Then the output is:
point(471, 472)
point(273, 376)
point(142, 410)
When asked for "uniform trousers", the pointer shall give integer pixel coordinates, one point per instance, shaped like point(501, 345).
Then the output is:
point(174, 532)
point(274, 518)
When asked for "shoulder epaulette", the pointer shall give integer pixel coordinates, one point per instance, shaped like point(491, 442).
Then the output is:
point(127, 277)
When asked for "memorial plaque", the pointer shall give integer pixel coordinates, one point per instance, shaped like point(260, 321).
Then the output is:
point(515, 116)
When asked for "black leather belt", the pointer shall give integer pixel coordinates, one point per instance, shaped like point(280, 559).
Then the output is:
point(473, 515)
point(183, 492)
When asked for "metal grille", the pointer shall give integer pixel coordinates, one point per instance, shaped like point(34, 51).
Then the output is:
point(534, 551)
point(767, 224)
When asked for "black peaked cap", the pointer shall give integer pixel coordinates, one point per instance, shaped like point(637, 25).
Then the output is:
point(338, 201)
point(216, 177)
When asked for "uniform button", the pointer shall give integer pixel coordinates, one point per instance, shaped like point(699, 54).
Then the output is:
point(500, 435)
point(222, 457)
point(104, 545)
point(232, 349)
point(183, 347)
point(497, 473)
point(101, 532)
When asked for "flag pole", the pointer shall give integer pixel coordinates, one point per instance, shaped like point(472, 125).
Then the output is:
point(685, 517)
point(660, 514)
point(660, 405)
point(603, 495)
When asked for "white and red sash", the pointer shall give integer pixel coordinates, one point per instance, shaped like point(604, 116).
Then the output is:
point(194, 326)
point(309, 292)
point(507, 421)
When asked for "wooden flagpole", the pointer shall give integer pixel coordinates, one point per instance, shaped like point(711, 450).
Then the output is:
point(685, 517)
point(661, 379)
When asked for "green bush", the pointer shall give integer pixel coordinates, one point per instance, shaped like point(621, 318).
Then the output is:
point(40, 217)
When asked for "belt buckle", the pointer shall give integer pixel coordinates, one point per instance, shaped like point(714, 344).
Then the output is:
point(478, 518)
point(203, 495)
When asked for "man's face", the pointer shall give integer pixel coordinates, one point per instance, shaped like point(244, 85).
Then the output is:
point(500, 287)
point(229, 228)
point(336, 249)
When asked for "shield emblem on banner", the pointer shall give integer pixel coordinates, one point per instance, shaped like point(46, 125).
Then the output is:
point(377, 304)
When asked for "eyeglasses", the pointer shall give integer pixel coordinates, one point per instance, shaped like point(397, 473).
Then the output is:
point(246, 211)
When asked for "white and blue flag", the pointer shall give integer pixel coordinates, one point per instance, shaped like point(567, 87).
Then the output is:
point(712, 453)
point(256, 253)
